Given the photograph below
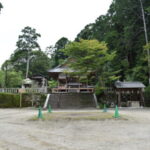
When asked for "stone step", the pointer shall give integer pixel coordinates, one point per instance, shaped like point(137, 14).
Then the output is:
point(72, 100)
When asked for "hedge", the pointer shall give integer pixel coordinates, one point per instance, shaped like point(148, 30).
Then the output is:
point(9, 100)
point(147, 96)
point(13, 100)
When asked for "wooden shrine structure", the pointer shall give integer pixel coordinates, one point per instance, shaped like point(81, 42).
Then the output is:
point(35, 82)
point(129, 93)
point(68, 83)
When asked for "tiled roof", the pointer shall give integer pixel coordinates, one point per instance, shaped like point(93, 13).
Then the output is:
point(119, 84)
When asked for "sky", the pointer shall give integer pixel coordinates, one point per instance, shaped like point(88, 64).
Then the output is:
point(53, 19)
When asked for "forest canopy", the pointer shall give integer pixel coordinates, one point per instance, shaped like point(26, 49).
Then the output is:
point(116, 46)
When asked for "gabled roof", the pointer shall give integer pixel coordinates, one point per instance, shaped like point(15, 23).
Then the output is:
point(60, 69)
point(27, 81)
point(119, 84)
point(64, 67)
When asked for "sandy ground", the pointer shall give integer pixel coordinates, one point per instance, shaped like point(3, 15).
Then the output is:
point(18, 133)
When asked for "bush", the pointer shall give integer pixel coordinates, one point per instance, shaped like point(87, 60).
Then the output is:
point(9, 100)
point(147, 96)
point(13, 100)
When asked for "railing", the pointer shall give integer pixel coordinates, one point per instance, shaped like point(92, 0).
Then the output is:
point(109, 90)
point(72, 90)
point(35, 90)
point(9, 90)
point(23, 90)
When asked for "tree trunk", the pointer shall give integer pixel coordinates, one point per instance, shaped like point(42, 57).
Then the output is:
point(146, 36)
point(27, 69)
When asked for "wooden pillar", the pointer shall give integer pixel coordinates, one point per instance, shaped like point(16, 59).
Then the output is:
point(119, 98)
point(142, 97)
point(20, 100)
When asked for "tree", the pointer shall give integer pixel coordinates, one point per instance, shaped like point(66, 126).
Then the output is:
point(10, 80)
point(58, 55)
point(89, 56)
point(146, 37)
point(26, 44)
point(2, 79)
point(1, 6)
point(122, 28)
point(86, 33)
point(14, 79)
point(39, 64)
point(6, 67)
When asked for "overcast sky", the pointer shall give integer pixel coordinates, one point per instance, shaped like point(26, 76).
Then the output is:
point(53, 19)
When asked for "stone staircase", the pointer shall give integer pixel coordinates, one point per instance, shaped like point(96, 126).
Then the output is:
point(72, 100)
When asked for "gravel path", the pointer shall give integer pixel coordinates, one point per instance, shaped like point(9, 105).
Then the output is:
point(18, 133)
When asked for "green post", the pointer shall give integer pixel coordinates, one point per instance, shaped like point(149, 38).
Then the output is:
point(40, 115)
point(49, 108)
point(105, 109)
point(116, 115)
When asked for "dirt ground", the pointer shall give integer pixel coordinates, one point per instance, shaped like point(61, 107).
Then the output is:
point(18, 133)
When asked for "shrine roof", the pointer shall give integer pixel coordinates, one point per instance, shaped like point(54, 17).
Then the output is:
point(119, 84)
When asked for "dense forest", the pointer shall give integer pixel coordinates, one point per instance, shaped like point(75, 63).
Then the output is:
point(122, 28)
point(115, 47)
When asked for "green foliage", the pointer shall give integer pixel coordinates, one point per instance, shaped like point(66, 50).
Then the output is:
point(99, 90)
point(52, 84)
point(39, 64)
point(14, 79)
point(122, 29)
point(147, 96)
point(27, 48)
point(26, 45)
point(147, 46)
point(13, 100)
point(2, 79)
point(1, 6)
point(148, 9)
point(28, 40)
point(9, 100)
point(58, 55)
point(90, 56)
point(10, 79)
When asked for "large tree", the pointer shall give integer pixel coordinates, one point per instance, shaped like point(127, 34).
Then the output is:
point(91, 56)
point(2, 79)
point(39, 64)
point(1, 6)
point(26, 45)
point(58, 55)
point(122, 28)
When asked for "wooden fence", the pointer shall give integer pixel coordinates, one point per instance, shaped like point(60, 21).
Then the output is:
point(23, 90)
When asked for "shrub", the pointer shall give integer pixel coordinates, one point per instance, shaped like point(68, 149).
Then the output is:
point(13, 100)
point(147, 96)
point(9, 100)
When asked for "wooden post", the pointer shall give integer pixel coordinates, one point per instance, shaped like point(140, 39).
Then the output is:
point(142, 97)
point(32, 101)
point(21, 91)
point(119, 98)
point(66, 84)
point(20, 100)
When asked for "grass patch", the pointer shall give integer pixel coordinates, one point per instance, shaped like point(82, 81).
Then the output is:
point(75, 116)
